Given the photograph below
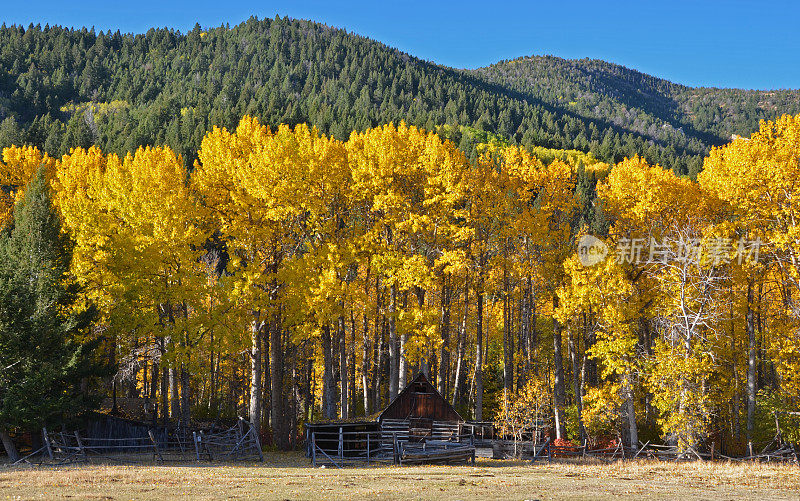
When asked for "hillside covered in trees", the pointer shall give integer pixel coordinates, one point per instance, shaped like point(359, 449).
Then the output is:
point(61, 88)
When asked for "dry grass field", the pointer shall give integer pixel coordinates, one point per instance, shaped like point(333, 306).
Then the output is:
point(290, 476)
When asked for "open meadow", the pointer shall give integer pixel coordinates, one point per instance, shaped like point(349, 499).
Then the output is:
point(289, 476)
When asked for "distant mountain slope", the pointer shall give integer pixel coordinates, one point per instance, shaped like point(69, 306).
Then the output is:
point(61, 88)
point(640, 103)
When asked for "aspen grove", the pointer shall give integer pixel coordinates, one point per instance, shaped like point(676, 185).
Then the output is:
point(289, 276)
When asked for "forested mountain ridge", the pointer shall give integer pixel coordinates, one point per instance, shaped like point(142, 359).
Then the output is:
point(61, 88)
point(640, 103)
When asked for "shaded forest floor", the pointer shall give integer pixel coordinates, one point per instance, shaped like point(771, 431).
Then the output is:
point(290, 476)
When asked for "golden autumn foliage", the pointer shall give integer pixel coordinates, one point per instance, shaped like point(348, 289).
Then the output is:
point(17, 168)
point(352, 265)
point(758, 179)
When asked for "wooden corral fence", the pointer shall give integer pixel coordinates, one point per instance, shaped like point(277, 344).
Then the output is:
point(351, 448)
point(338, 448)
point(548, 450)
point(786, 452)
point(238, 443)
point(482, 431)
point(776, 450)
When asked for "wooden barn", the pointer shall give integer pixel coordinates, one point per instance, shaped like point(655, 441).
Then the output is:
point(419, 413)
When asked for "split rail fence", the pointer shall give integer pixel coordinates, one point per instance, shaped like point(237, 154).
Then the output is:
point(784, 452)
point(238, 443)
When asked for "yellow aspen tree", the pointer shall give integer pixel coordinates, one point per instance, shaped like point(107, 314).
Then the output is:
point(19, 165)
point(223, 160)
point(79, 184)
point(552, 243)
point(138, 244)
point(757, 177)
point(603, 296)
point(158, 250)
point(662, 221)
point(256, 184)
point(406, 180)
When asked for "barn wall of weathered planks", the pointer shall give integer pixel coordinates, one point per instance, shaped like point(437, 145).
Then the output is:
point(420, 402)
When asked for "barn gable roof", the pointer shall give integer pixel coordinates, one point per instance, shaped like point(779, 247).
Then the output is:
point(408, 402)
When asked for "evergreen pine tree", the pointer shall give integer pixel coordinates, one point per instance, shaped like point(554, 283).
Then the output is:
point(42, 357)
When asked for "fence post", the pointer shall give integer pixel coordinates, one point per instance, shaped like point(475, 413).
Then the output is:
point(394, 447)
point(155, 446)
point(80, 444)
point(341, 444)
point(399, 453)
point(47, 443)
point(314, 449)
point(196, 445)
point(258, 442)
point(203, 442)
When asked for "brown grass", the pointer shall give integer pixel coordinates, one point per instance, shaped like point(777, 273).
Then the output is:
point(290, 476)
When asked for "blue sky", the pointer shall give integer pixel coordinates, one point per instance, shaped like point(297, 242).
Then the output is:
point(730, 43)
